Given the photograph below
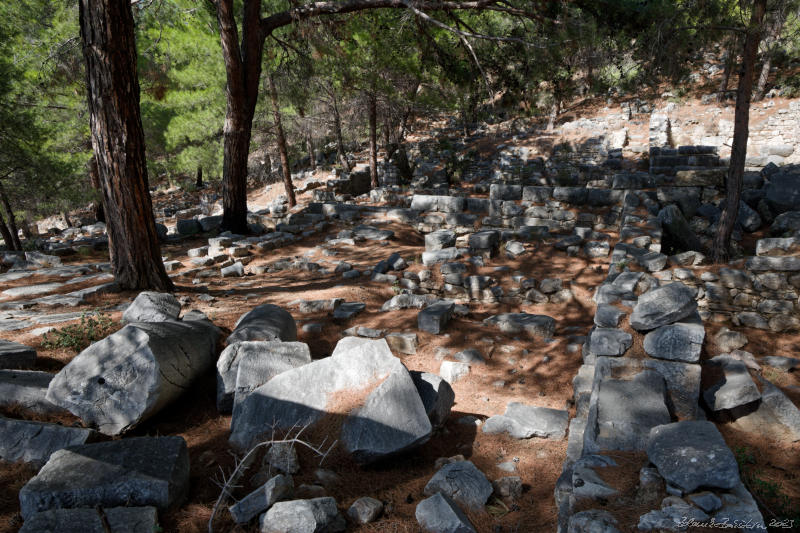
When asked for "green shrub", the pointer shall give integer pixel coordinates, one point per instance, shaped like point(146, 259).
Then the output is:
point(92, 327)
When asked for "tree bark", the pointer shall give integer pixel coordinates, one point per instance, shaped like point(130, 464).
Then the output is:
point(372, 103)
point(337, 127)
point(243, 71)
point(109, 48)
point(94, 177)
point(284, 153)
point(730, 59)
point(12, 221)
point(6, 233)
point(773, 34)
point(198, 181)
point(555, 109)
point(741, 124)
point(312, 160)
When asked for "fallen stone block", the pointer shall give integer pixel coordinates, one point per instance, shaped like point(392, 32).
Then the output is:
point(525, 421)
point(14, 355)
point(434, 318)
point(662, 306)
point(731, 386)
point(83, 520)
point(692, 454)
point(152, 307)
point(463, 482)
point(405, 343)
point(437, 396)
point(139, 471)
point(319, 515)
point(676, 342)
point(267, 322)
point(391, 419)
point(278, 488)
point(534, 325)
point(622, 412)
point(27, 389)
point(34, 442)
point(440, 514)
point(244, 366)
point(132, 374)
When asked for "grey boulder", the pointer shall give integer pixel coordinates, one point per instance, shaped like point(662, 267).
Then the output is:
point(662, 306)
point(592, 521)
point(152, 307)
point(318, 515)
point(534, 325)
point(14, 355)
point(462, 481)
point(140, 471)
point(434, 318)
point(437, 396)
point(130, 375)
point(34, 442)
point(525, 421)
point(84, 520)
point(391, 419)
point(277, 488)
point(692, 454)
point(609, 342)
point(676, 342)
point(267, 322)
point(244, 366)
point(731, 385)
point(626, 411)
point(365, 510)
point(440, 514)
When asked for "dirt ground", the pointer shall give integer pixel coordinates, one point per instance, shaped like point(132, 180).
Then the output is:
point(534, 371)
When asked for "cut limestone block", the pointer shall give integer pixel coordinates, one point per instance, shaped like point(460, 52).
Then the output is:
point(130, 375)
point(391, 419)
point(264, 360)
point(525, 421)
point(140, 471)
point(14, 355)
point(462, 481)
point(34, 442)
point(319, 515)
point(27, 389)
point(278, 488)
point(83, 520)
point(692, 454)
point(266, 322)
point(662, 306)
point(152, 307)
point(440, 514)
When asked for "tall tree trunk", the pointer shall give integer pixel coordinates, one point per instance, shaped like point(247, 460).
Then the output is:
point(242, 72)
point(284, 153)
point(6, 234)
point(337, 127)
point(387, 139)
point(372, 104)
point(109, 48)
point(94, 177)
point(312, 160)
point(730, 59)
point(12, 220)
point(555, 109)
point(741, 125)
point(774, 29)
point(198, 180)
